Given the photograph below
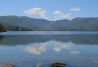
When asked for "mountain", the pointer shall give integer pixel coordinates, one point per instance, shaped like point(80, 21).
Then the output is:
point(84, 24)
point(23, 23)
point(32, 23)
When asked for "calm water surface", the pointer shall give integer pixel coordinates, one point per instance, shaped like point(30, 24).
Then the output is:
point(77, 50)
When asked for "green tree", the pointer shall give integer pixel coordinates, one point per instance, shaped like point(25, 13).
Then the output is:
point(2, 28)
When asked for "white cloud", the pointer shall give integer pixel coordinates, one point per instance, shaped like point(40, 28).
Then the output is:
point(75, 9)
point(39, 12)
point(61, 15)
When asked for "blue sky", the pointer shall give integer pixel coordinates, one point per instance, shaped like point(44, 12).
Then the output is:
point(50, 9)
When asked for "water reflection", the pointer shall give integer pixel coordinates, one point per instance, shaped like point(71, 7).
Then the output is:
point(27, 39)
point(29, 50)
point(40, 48)
point(36, 48)
point(1, 37)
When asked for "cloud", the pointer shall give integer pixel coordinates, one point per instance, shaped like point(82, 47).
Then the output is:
point(75, 9)
point(61, 15)
point(39, 12)
point(58, 14)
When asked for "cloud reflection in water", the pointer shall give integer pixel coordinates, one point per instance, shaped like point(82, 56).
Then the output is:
point(37, 48)
point(40, 48)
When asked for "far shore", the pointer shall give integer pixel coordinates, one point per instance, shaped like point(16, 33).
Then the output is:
point(46, 32)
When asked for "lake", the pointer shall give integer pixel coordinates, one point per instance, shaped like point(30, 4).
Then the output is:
point(27, 49)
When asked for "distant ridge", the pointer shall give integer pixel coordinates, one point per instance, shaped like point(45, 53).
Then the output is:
point(23, 23)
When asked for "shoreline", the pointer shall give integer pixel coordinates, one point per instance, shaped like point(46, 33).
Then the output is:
point(46, 32)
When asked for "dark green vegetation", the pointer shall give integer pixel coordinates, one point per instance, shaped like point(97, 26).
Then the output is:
point(2, 28)
point(15, 23)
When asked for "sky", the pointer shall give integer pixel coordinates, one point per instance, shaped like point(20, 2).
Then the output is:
point(50, 9)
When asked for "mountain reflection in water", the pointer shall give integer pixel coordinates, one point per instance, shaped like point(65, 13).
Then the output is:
point(29, 50)
point(26, 39)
